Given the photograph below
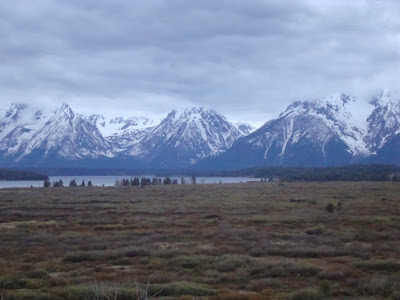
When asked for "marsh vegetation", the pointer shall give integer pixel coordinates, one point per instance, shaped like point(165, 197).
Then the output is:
point(258, 240)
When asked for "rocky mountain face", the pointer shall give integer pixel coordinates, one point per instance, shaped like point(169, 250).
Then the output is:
point(185, 137)
point(320, 132)
point(383, 137)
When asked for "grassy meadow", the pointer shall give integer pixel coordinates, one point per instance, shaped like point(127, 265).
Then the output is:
point(338, 240)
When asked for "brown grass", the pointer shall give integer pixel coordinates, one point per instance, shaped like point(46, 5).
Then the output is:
point(229, 241)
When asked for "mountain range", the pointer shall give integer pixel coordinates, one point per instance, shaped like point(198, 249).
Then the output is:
point(320, 132)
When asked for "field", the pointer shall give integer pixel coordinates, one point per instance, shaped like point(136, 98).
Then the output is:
point(223, 241)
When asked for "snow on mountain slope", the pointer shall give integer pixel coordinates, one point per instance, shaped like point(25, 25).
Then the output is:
point(18, 123)
point(384, 121)
point(320, 132)
point(70, 136)
point(121, 132)
point(119, 126)
point(333, 130)
point(334, 112)
point(244, 128)
point(186, 136)
point(29, 135)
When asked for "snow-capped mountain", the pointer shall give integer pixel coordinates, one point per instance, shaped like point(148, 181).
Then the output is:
point(383, 137)
point(185, 137)
point(30, 137)
point(384, 121)
point(319, 132)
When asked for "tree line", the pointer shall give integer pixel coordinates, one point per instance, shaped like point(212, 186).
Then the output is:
point(144, 181)
point(7, 174)
point(60, 183)
point(342, 173)
point(134, 181)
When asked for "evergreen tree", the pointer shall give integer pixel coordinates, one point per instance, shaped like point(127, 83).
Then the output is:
point(136, 181)
point(167, 180)
point(72, 183)
point(46, 183)
point(89, 183)
point(83, 183)
point(60, 183)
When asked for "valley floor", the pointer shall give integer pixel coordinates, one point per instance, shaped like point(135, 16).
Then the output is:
point(221, 241)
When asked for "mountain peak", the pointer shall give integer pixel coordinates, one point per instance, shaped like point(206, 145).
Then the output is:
point(388, 96)
point(336, 101)
point(12, 111)
point(193, 111)
point(65, 110)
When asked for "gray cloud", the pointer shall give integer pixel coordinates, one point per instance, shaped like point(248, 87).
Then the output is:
point(246, 59)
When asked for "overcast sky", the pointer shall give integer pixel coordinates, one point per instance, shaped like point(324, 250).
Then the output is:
point(245, 59)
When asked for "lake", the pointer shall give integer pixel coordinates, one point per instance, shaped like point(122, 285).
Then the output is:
point(110, 180)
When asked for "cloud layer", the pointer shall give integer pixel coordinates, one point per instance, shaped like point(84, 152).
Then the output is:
point(246, 59)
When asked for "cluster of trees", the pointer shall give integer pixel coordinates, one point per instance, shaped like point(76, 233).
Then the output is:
point(73, 183)
point(135, 181)
point(6, 174)
point(343, 173)
point(60, 183)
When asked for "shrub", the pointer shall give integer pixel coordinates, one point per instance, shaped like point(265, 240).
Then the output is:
point(325, 288)
point(186, 261)
point(27, 295)
point(79, 292)
point(132, 252)
point(36, 273)
point(305, 295)
point(181, 288)
point(229, 263)
point(379, 265)
point(82, 256)
point(230, 295)
point(283, 269)
point(11, 283)
point(379, 286)
point(330, 207)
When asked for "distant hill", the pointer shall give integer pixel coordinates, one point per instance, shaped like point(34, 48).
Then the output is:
point(6, 174)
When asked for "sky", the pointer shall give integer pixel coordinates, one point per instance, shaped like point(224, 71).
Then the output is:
point(247, 60)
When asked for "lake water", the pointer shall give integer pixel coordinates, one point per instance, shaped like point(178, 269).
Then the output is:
point(110, 180)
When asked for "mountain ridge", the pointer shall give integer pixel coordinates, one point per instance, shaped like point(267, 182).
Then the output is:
point(316, 132)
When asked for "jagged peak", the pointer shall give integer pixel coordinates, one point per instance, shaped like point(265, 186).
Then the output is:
point(12, 111)
point(193, 113)
point(387, 96)
point(66, 110)
point(337, 102)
